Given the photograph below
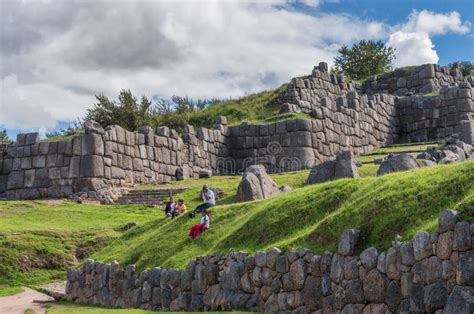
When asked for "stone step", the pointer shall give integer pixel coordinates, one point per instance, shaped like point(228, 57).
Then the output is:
point(147, 197)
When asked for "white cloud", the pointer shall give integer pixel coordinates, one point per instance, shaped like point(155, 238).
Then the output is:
point(56, 55)
point(412, 48)
point(436, 23)
point(412, 39)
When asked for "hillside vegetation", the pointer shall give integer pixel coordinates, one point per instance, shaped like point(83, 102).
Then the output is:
point(313, 216)
point(38, 239)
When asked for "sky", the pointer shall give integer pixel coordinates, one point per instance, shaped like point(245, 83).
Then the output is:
point(56, 55)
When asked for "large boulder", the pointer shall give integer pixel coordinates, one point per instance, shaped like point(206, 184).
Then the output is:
point(344, 166)
point(92, 127)
point(396, 163)
point(256, 184)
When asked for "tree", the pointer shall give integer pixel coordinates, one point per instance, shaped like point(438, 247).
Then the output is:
point(466, 67)
point(126, 112)
point(4, 140)
point(364, 59)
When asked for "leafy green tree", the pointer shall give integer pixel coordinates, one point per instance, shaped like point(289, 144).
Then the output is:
point(127, 112)
point(364, 59)
point(466, 67)
point(4, 140)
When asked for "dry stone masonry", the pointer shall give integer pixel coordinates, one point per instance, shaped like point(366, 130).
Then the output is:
point(434, 272)
point(345, 116)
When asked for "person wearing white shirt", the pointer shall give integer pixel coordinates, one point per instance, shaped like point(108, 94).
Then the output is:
point(209, 199)
point(199, 228)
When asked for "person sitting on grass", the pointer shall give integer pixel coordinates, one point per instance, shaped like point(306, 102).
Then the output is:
point(208, 198)
point(179, 209)
point(170, 207)
point(199, 228)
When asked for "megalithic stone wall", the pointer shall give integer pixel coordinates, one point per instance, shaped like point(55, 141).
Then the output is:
point(434, 272)
point(424, 118)
point(101, 161)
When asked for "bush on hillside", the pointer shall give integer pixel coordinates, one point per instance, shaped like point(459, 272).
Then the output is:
point(127, 112)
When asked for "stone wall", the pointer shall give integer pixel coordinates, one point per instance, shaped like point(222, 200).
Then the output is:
point(103, 161)
point(423, 79)
point(436, 117)
point(432, 273)
point(345, 115)
point(308, 90)
point(353, 122)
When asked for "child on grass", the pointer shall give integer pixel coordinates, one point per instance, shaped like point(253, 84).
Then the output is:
point(199, 228)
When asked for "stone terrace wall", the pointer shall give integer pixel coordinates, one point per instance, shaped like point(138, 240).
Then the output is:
point(310, 90)
point(436, 117)
point(433, 273)
point(357, 123)
point(423, 79)
point(101, 160)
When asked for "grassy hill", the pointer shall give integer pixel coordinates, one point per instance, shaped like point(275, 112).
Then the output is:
point(313, 216)
point(38, 239)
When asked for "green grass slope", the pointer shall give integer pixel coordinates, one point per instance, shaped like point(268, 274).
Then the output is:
point(39, 239)
point(313, 216)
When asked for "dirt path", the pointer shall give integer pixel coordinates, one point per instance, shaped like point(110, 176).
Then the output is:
point(20, 302)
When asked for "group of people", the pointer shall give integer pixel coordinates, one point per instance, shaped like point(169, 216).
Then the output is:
point(174, 209)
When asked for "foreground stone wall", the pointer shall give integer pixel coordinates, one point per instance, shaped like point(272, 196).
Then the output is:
point(435, 272)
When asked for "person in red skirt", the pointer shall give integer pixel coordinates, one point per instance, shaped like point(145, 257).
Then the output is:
point(197, 229)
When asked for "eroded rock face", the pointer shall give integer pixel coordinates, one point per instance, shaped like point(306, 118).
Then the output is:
point(397, 163)
point(256, 184)
point(344, 166)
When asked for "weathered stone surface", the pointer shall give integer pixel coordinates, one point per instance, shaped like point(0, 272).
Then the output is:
point(272, 257)
point(256, 184)
point(407, 254)
point(465, 271)
point(348, 241)
point(396, 163)
point(369, 258)
point(374, 308)
point(337, 268)
point(461, 300)
point(435, 297)
point(444, 246)
point(427, 271)
point(392, 264)
point(342, 167)
point(393, 296)
point(312, 293)
point(297, 274)
point(282, 265)
point(462, 236)
point(422, 247)
point(92, 127)
point(375, 284)
point(353, 309)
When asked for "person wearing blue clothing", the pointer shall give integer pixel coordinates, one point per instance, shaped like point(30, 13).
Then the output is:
point(209, 200)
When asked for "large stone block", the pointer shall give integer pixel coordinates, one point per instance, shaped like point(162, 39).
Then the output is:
point(15, 180)
point(348, 241)
point(92, 144)
point(422, 247)
point(462, 236)
point(465, 271)
point(92, 166)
